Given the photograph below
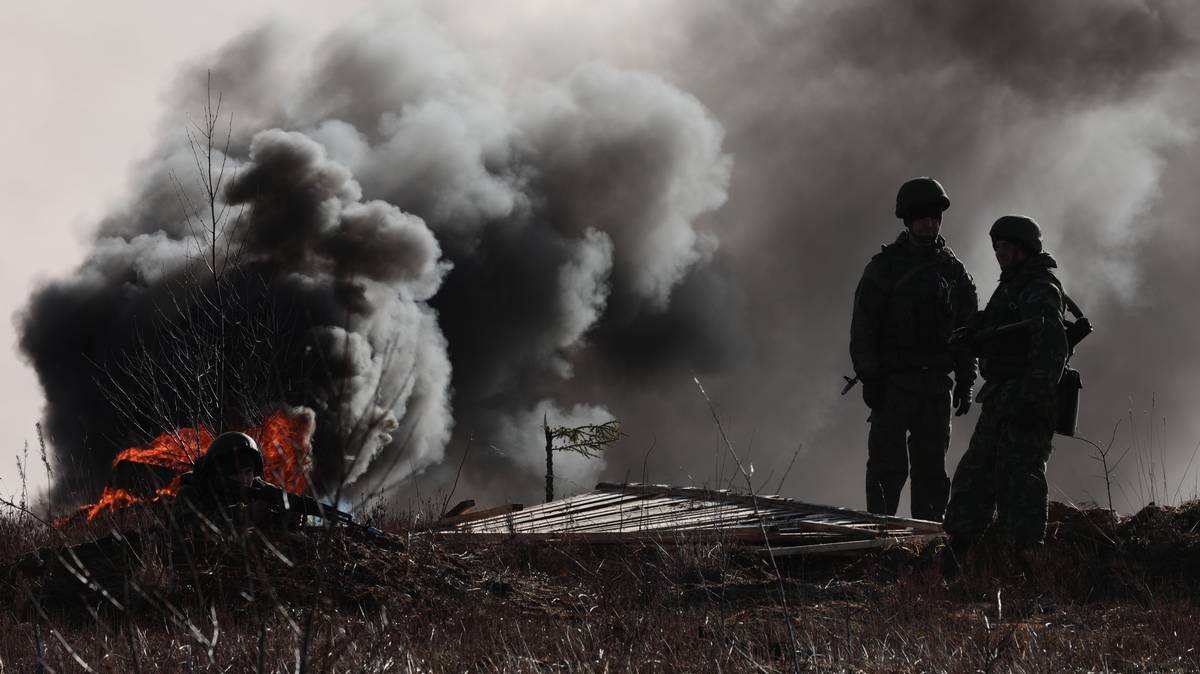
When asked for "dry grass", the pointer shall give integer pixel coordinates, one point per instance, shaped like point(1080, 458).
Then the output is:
point(1100, 597)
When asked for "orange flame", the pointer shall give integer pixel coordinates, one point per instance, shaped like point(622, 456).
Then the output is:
point(284, 436)
point(285, 441)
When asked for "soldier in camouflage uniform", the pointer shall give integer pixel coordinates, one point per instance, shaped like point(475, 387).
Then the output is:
point(225, 488)
point(912, 296)
point(223, 484)
point(1002, 476)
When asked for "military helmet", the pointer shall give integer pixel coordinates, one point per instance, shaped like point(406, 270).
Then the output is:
point(920, 194)
point(1018, 229)
point(231, 452)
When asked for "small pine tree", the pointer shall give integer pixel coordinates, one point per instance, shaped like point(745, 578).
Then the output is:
point(589, 440)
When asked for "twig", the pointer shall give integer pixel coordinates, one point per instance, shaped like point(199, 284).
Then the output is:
point(761, 524)
point(646, 457)
point(466, 453)
point(27, 511)
point(1185, 472)
point(1103, 458)
point(795, 454)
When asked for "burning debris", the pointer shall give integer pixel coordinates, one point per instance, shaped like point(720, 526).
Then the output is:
point(216, 503)
point(284, 438)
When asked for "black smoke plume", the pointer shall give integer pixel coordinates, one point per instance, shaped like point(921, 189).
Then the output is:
point(395, 208)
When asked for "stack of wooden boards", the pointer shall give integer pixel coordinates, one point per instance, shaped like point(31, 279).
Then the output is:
point(631, 513)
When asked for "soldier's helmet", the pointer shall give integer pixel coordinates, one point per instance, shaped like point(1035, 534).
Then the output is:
point(921, 196)
point(229, 454)
point(1018, 229)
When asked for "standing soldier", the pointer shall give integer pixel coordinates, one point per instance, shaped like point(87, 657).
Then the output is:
point(1023, 350)
point(911, 298)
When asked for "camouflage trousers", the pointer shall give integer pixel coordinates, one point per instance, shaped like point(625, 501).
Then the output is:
point(1001, 480)
point(910, 433)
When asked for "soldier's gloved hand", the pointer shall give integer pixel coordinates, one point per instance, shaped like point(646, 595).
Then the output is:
point(872, 392)
point(963, 392)
point(963, 337)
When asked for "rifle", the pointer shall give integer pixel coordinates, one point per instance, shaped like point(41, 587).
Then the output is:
point(850, 382)
point(1080, 328)
point(1076, 330)
point(278, 500)
point(971, 337)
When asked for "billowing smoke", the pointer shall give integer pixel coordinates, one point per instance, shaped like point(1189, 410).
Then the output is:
point(575, 168)
point(322, 292)
point(391, 208)
point(1082, 117)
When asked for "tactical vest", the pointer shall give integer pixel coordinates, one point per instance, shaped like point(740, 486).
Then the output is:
point(920, 310)
point(1007, 356)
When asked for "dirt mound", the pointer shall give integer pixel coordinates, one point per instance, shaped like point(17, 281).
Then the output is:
point(1152, 530)
point(1098, 552)
point(165, 567)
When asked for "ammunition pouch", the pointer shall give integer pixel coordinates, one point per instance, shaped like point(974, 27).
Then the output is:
point(1068, 402)
point(1070, 383)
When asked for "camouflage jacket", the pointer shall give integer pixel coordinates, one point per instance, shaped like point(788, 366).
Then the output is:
point(1036, 357)
point(909, 301)
point(222, 501)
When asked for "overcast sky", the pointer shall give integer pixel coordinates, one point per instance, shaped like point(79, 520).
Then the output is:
point(1084, 119)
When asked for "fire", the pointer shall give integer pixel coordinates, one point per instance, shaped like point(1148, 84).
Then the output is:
point(287, 452)
point(284, 436)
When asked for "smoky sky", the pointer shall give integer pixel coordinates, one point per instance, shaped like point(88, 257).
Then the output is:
point(570, 221)
point(438, 241)
point(1076, 116)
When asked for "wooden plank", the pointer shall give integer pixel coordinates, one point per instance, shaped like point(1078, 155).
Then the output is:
point(565, 519)
point(637, 513)
point(786, 522)
point(697, 493)
point(459, 508)
point(820, 527)
point(543, 510)
point(548, 512)
point(846, 546)
point(624, 510)
point(636, 507)
point(469, 517)
point(581, 503)
point(719, 516)
point(799, 506)
point(660, 536)
point(678, 514)
point(675, 513)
